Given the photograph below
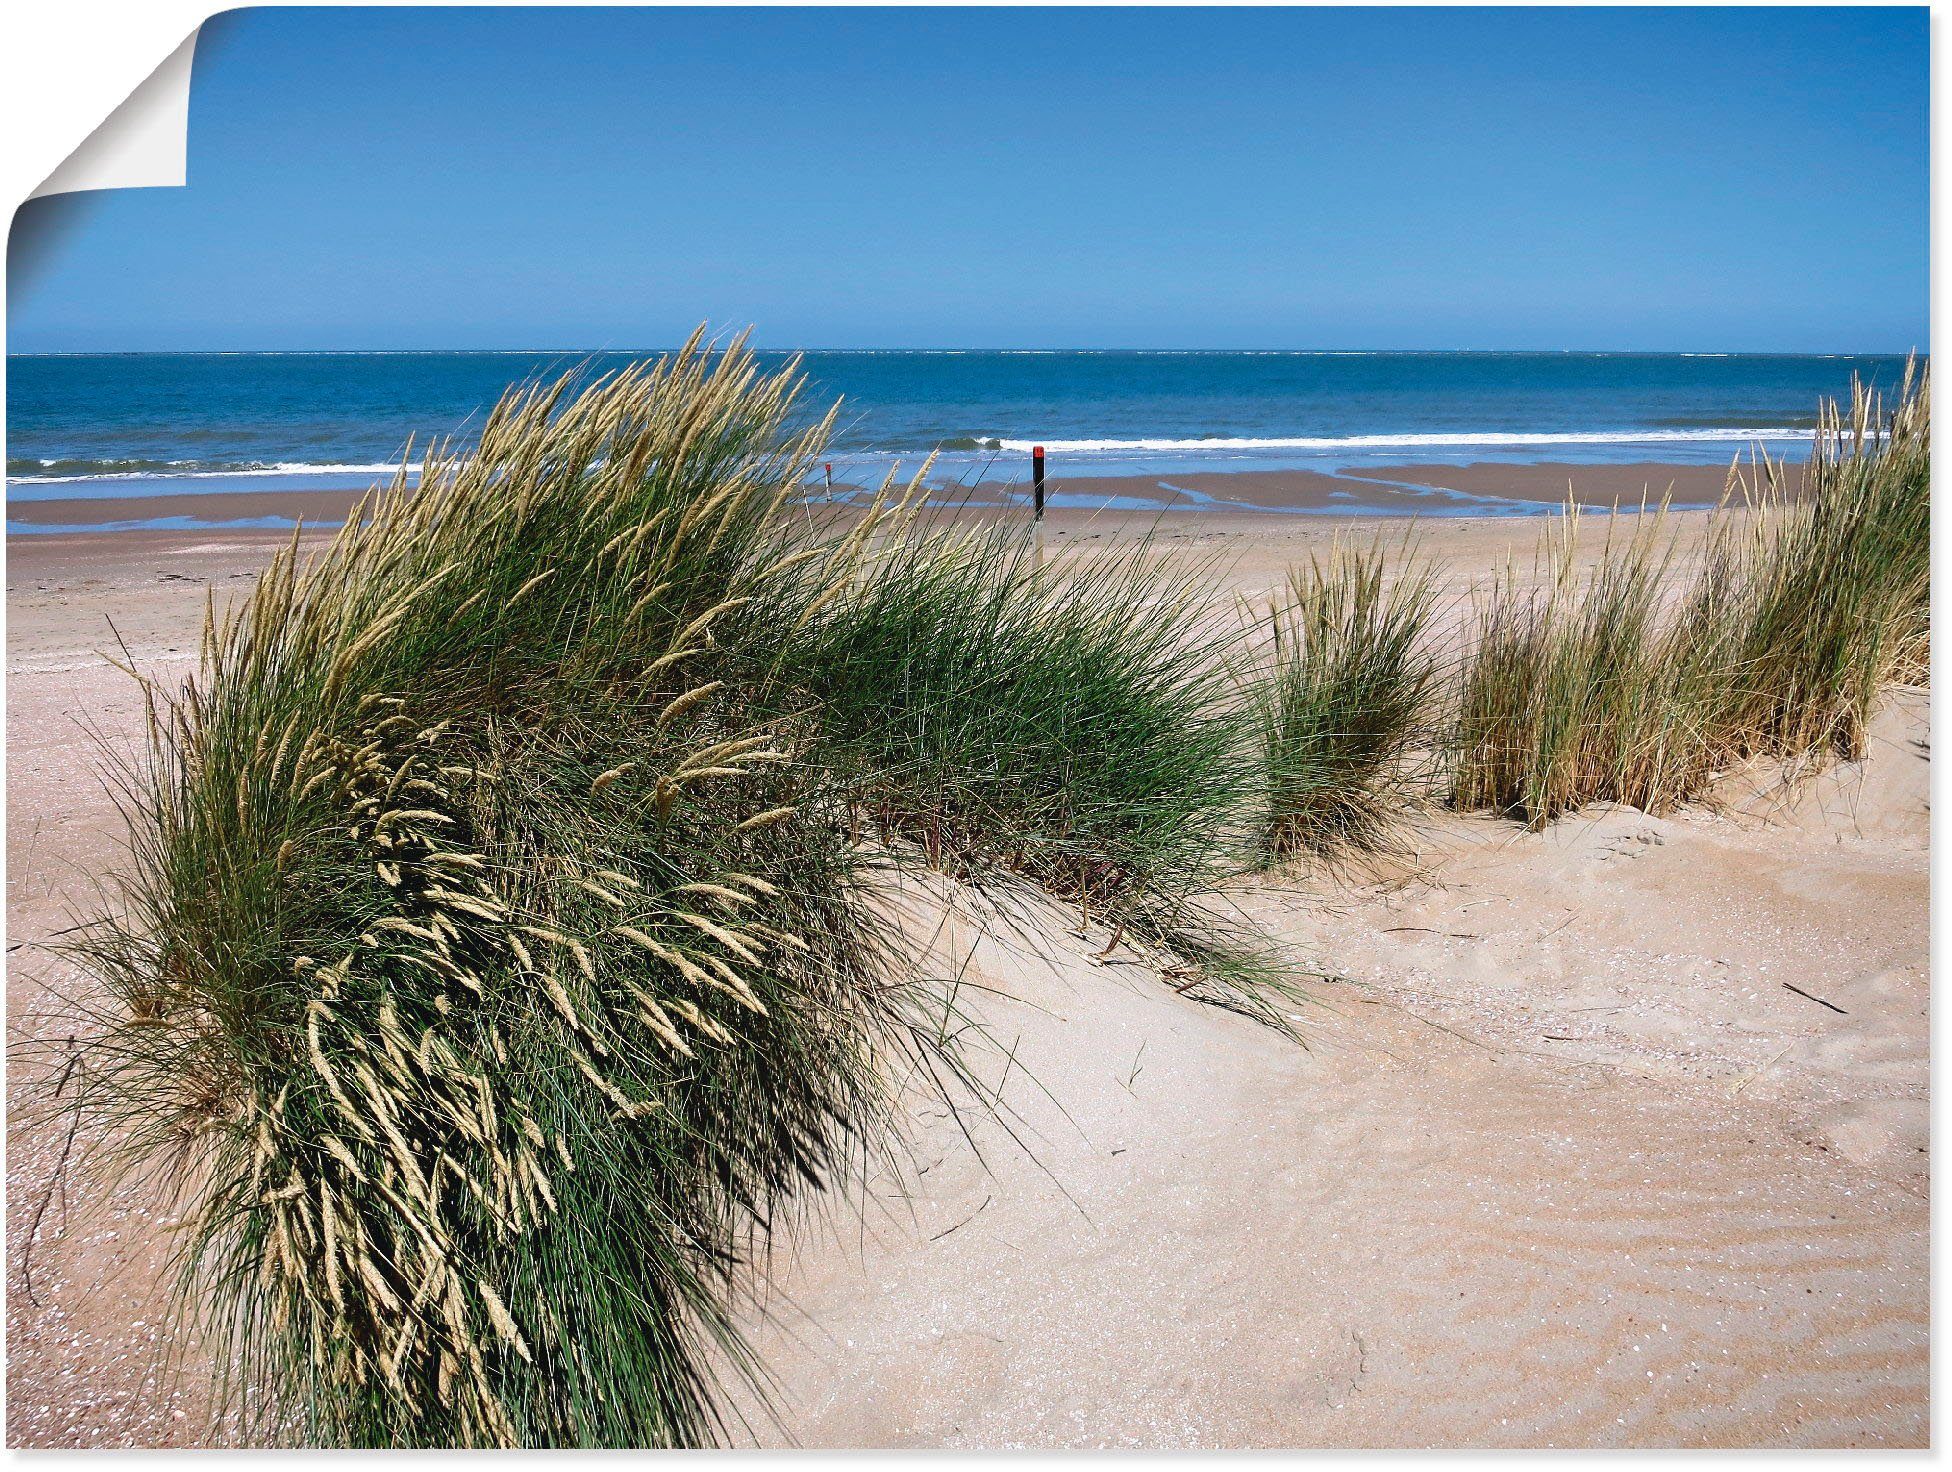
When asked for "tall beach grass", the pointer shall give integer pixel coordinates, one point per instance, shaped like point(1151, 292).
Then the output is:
point(499, 956)
point(490, 968)
point(1637, 683)
point(1836, 582)
point(1341, 709)
point(1567, 693)
point(1066, 722)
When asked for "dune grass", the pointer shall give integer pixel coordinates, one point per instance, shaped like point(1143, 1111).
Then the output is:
point(490, 968)
point(1567, 695)
point(1069, 723)
point(1637, 684)
point(1837, 581)
point(1341, 708)
point(498, 957)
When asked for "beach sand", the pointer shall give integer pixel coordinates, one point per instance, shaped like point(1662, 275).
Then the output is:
point(1611, 1135)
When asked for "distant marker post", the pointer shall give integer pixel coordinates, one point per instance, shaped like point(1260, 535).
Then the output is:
point(1037, 480)
point(830, 480)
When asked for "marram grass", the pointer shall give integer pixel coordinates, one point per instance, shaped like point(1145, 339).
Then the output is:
point(499, 957)
point(1069, 722)
point(491, 969)
point(1564, 695)
point(1639, 683)
point(1342, 707)
point(1835, 581)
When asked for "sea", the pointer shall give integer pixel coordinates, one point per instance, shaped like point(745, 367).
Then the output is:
point(154, 424)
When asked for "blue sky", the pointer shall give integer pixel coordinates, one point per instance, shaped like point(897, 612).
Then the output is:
point(1721, 179)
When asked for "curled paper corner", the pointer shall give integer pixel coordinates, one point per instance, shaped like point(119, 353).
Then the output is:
point(144, 143)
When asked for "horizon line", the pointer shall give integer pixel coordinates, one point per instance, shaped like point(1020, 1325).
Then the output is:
point(967, 351)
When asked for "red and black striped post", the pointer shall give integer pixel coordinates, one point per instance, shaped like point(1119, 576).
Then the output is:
point(1037, 479)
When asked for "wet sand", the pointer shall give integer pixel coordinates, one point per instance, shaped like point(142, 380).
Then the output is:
point(1566, 1161)
point(1429, 491)
point(312, 507)
point(1625, 485)
point(1393, 490)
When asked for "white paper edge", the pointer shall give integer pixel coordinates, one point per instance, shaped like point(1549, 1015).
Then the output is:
point(144, 143)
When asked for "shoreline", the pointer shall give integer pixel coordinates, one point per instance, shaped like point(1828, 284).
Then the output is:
point(1478, 490)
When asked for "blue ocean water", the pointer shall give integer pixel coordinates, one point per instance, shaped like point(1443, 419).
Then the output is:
point(149, 424)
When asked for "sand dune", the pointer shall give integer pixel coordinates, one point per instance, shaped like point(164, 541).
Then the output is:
point(1564, 1160)
point(1439, 1224)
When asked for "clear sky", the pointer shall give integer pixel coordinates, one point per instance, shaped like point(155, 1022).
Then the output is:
point(1720, 179)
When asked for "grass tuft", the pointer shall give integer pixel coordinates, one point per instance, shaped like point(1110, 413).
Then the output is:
point(1564, 698)
point(1340, 711)
point(491, 968)
point(1066, 723)
point(1631, 685)
point(1069, 722)
point(1836, 582)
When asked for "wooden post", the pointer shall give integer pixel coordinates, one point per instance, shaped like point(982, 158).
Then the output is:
point(830, 480)
point(1037, 479)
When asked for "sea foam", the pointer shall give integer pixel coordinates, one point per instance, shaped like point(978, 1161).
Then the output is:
point(179, 470)
point(1444, 440)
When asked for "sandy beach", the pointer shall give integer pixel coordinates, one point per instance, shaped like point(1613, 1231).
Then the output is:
point(1610, 1135)
point(698, 759)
